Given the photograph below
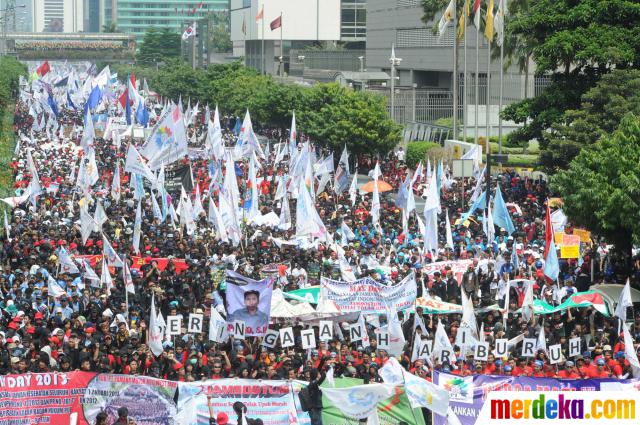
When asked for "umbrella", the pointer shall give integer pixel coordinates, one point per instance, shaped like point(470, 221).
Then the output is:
point(382, 187)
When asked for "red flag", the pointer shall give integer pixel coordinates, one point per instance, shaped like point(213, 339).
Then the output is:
point(133, 79)
point(200, 5)
point(43, 69)
point(276, 23)
point(194, 10)
point(548, 232)
point(123, 98)
point(260, 15)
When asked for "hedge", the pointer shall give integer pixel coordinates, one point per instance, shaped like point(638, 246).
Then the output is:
point(417, 151)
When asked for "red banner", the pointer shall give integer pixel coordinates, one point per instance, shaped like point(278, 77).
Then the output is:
point(54, 397)
point(180, 264)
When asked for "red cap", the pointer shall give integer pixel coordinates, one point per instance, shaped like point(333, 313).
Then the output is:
point(31, 330)
point(54, 339)
point(38, 315)
point(62, 242)
point(99, 243)
point(147, 247)
point(90, 330)
point(73, 245)
point(89, 243)
point(13, 325)
point(156, 250)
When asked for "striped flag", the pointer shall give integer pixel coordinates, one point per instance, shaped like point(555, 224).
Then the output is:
point(476, 14)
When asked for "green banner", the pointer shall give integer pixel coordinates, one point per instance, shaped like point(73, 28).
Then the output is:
point(392, 411)
point(580, 299)
point(309, 295)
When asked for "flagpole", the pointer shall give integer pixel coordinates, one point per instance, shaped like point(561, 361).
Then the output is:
point(264, 65)
point(487, 112)
point(281, 49)
point(193, 48)
point(464, 81)
point(455, 76)
point(501, 93)
point(477, 81)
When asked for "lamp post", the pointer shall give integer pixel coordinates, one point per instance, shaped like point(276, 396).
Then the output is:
point(394, 61)
point(301, 59)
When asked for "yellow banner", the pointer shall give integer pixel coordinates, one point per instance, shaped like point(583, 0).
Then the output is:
point(570, 251)
point(585, 235)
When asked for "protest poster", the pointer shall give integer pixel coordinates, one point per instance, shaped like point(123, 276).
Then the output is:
point(467, 394)
point(457, 267)
point(248, 301)
point(368, 296)
point(53, 397)
point(433, 306)
point(264, 399)
point(176, 177)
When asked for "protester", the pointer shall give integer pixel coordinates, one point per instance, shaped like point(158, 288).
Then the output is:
point(63, 310)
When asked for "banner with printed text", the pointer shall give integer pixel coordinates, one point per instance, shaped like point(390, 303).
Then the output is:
point(467, 394)
point(368, 296)
point(53, 397)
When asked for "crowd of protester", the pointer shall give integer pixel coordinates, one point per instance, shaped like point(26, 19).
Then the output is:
point(90, 329)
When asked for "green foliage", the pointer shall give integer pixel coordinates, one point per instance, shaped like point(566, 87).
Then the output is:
point(417, 151)
point(158, 46)
point(578, 41)
point(220, 36)
point(336, 116)
point(329, 114)
point(601, 186)
point(112, 27)
point(599, 114)
point(10, 71)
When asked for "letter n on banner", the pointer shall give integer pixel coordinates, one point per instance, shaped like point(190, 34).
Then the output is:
point(238, 329)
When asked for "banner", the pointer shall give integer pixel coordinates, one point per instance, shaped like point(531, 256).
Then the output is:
point(248, 302)
point(53, 397)
point(177, 177)
point(272, 401)
point(458, 268)
point(467, 394)
point(368, 296)
point(138, 262)
point(432, 306)
point(309, 295)
point(591, 298)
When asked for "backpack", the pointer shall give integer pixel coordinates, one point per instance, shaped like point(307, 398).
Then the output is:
point(305, 399)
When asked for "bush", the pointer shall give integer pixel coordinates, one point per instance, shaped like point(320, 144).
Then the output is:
point(417, 151)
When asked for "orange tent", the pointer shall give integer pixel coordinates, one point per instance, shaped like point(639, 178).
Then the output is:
point(382, 187)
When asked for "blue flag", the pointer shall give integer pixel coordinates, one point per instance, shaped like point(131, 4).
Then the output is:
point(53, 105)
point(94, 98)
point(501, 213)
point(70, 102)
point(514, 258)
point(480, 203)
point(127, 109)
point(551, 264)
point(238, 127)
point(142, 115)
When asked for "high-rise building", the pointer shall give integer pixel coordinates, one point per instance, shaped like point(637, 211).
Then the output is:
point(301, 22)
point(58, 15)
point(137, 16)
point(92, 14)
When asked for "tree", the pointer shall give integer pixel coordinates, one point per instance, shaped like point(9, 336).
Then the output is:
point(601, 187)
point(334, 115)
point(10, 71)
point(177, 79)
point(158, 46)
point(577, 41)
point(219, 35)
point(600, 112)
point(112, 27)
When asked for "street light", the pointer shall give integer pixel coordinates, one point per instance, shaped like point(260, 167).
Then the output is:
point(394, 61)
point(301, 59)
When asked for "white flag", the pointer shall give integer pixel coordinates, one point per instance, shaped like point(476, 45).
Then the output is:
point(127, 279)
point(353, 189)
point(100, 217)
point(135, 164)
point(624, 301)
point(110, 254)
point(105, 277)
point(137, 229)
point(155, 332)
point(446, 18)
point(115, 184)
point(6, 226)
point(630, 352)
point(54, 288)
point(66, 263)
point(375, 203)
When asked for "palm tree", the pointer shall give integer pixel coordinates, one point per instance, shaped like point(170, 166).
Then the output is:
point(112, 27)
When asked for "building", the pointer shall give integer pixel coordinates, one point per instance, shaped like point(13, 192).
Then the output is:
point(424, 84)
point(353, 21)
point(58, 15)
point(18, 15)
point(137, 16)
point(92, 16)
point(303, 22)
